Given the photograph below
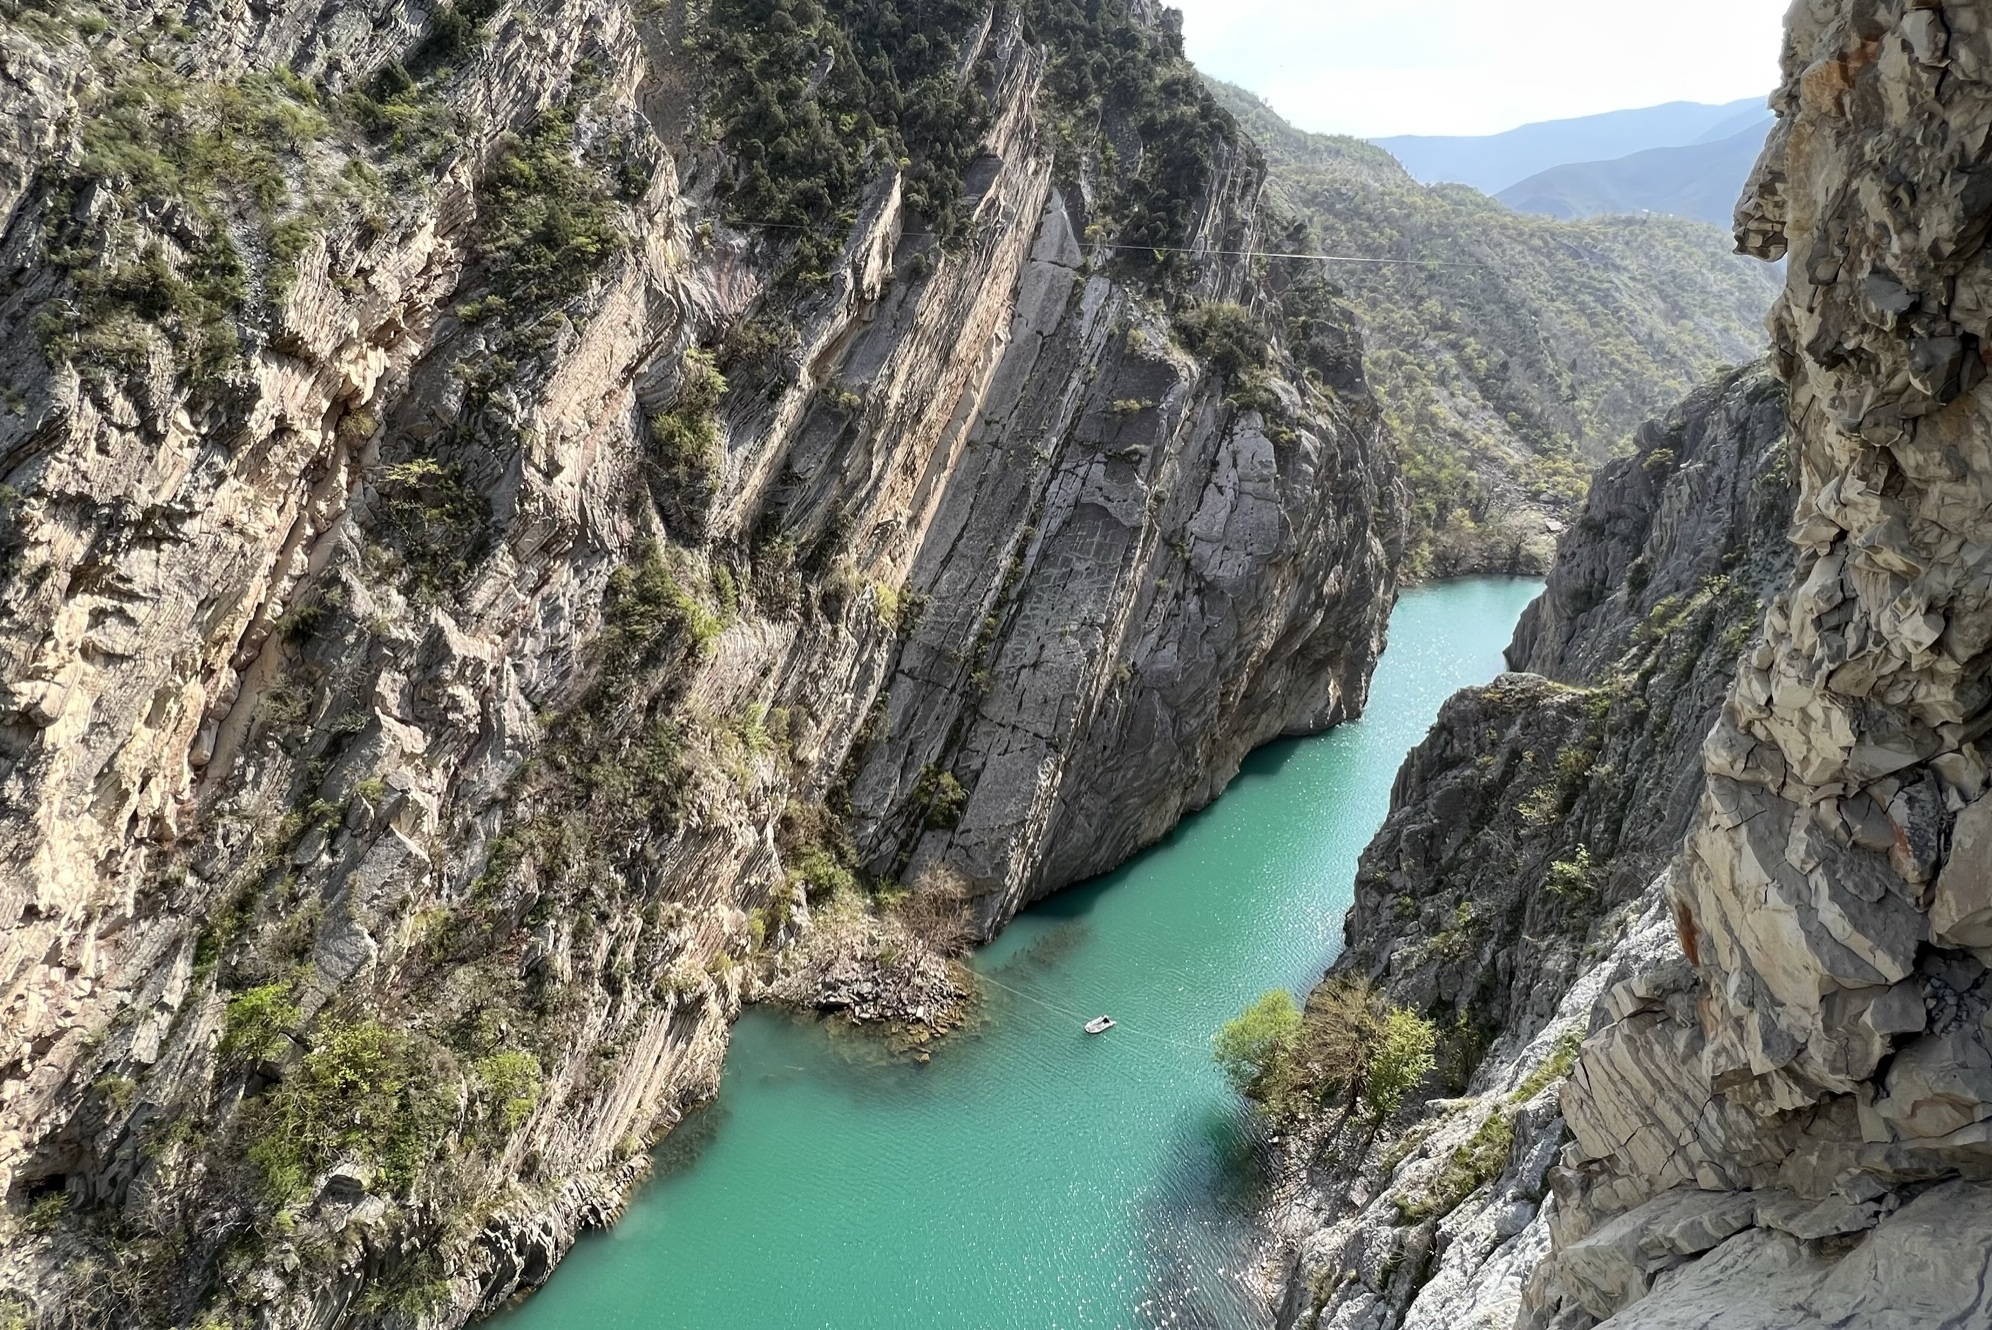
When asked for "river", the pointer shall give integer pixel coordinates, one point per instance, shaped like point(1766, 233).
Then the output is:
point(1031, 1177)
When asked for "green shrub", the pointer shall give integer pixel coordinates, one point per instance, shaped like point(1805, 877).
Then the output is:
point(437, 520)
point(646, 604)
point(1254, 1046)
point(684, 461)
point(1225, 337)
point(258, 1023)
point(547, 221)
point(1542, 806)
point(117, 1092)
point(47, 1212)
point(512, 1083)
point(365, 1090)
point(1349, 1042)
point(1403, 1056)
point(940, 797)
point(1574, 878)
point(822, 874)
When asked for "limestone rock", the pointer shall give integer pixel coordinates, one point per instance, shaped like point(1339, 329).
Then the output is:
point(441, 644)
point(1961, 910)
point(1514, 883)
point(1833, 900)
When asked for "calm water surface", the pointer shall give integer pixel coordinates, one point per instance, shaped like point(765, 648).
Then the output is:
point(1031, 1177)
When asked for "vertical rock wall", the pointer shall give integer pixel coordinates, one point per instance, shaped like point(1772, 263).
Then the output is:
point(1511, 885)
point(405, 724)
point(1789, 1123)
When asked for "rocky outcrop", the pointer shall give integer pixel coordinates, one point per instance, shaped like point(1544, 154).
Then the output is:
point(453, 559)
point(1779, 1115)
point(1805, 1063)
point(1508, 889)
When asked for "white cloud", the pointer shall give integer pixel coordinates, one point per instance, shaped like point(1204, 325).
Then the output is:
point(1379, 67)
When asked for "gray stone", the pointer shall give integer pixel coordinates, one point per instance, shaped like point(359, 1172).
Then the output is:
point(1961, 910)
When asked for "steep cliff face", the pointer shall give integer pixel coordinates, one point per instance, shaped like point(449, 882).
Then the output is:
point(1779, 1116)
point(1510, 880)
point(498, 534)
point(1795, 1104)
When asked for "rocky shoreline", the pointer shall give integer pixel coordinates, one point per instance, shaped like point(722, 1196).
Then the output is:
point(1772, 1120)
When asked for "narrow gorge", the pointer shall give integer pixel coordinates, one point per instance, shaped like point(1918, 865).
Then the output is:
point(491, 546)
point(526, 529)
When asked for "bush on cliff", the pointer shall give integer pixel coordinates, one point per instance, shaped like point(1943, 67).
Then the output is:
point(1350, 1045)
point(1257, 1043)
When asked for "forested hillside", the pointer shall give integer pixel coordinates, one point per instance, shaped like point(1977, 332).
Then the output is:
point(1511, 353)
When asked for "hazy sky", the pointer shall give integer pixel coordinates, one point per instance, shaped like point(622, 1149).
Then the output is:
point(1380, 67)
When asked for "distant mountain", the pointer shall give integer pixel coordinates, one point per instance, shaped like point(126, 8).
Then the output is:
point(1511, 353)
point(1493, 162)
point(1700, 180)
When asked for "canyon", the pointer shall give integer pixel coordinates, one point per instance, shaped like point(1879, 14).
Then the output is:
point(467, 601)
point(524, 529)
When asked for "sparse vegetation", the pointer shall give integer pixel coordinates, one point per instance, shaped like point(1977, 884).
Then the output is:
point(227, 158)
point(683, 461)
point(1562, 1058)
point(548, 221)
point(1479, 1160)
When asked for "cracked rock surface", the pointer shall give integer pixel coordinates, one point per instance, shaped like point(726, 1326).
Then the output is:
point(465, 601)
point(1781, 1112)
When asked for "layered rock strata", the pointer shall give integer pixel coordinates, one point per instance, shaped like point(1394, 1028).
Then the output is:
point(1795, 1094)
point(1509, 885)
point(1779, 1114)
point(449, 570)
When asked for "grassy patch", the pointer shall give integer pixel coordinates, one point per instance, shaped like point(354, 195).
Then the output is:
point(365, 1091)
point(1478, 1161)
point(246, 158)
point(1562, 1058)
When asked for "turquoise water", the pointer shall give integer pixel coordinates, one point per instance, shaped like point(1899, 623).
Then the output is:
point(1031, 1177)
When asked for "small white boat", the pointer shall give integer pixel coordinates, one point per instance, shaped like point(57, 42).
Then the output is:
point(1099, 1025)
